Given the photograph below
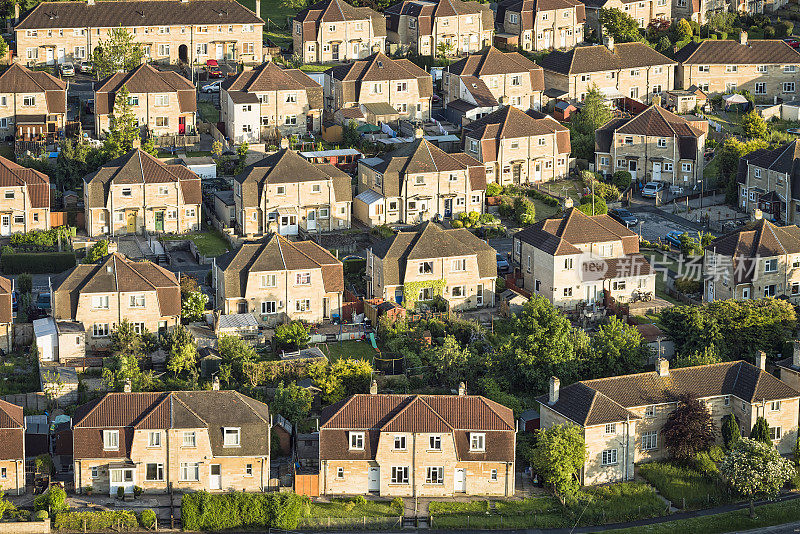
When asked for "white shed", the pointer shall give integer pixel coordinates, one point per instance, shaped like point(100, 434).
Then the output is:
point(44, 330)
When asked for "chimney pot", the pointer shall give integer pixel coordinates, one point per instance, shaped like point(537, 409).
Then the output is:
point(462, 389)
point(743, 37)
point(555, 386)
point(757, 214)
point(215, 383)
point(127, 388)
point(568, 203)
point(373, 387)
point(761, 360)
point(796, 353)
point(662, 367)
point(609, 42)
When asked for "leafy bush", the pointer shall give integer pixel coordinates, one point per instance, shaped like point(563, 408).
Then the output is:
point(621, 179)
point(524, 210)
point(41, 515)
point(137, 491)
point(360, 500)
point(455, 223)
point(599, 206)
point(148, 519)
point(398, 506)
point(25, 283)
point(42, 238)
point(506, 208)
point(383, 231)
point(493, 190)
point(98, 251)
point(677, 482)
point(687, 285)
point(95, 521)
point(37, 262)
point(292, 336)
point(204, 511)
point(120, 492)
point(54, 501)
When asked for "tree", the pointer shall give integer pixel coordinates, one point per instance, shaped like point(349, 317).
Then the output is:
point(292, 402)
point(123, 367)
point(292, 336)
point(619, 348)
point(524, 210)
point(181, 350)
point(241, 153)
point(558, 457)
point(760, 431)
point(341, 378)
point(689, 429)
point(593, 205)
point(193, 306)
point(235, 353)
point(124, 131)
point(294, 5)
point(3, 48)
point(117, 53)
point(730, 153)
point(621, 180)
point(594, 114)
point(730, 431)
point(98, 251)
point(444, 49)
point(619, 25)
point(24, 283)
point(449, 361)
point(706, 356)
point(754, 469)
point(149, 146)
point(683, 30)
point(754, 125)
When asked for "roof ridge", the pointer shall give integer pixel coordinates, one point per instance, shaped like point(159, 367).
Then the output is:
point(644, 373)
point(337, 412)
point(277, 239)
point(483, 400)
point(237, 394)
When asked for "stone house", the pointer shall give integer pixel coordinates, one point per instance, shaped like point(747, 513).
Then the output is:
point(617, 70)
point(517, 147)
point(379, 79)
point(138, 193)
point(424, 27)
point(622, 417)
point(573, 261)
point(642, 12)
point(418, 182)
point(656, 145)
point(12, 449)
point(163, 102)
point(25, 201)
point(429, 261)
point(279, 280)
point(536, 25)
point(182, 440)
point(293, 194)
point(6, 315)
point(416, 446)
point(101, 295)
point(170, 32)
point(768, 69)
point(756, 260)
point(492, 78)
point(769, 180)
point(33, 104)
point(333, 30)
point(258, 102)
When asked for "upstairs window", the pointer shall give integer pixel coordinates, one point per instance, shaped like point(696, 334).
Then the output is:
point(477, 442)
point(357, 441)
point(399, 443)
point(232, 437)
point(426, 267)
point(111, 440)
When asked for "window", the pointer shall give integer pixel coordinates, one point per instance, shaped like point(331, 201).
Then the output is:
point(789, 68)
point(667, 167)
point(28, 100)
point(545, 16)
point(290, 120)
point(609, 457)
point(568, 263)
point(419, 180)
point(357, 441)
point(100, 330)
point(476, 199)
point(189, 439)
point(202, 49)
point(340, 473)
point(111, 440)
point(426, 293)
point(154, 439)
point(248, 48)
point(541, 141)
point(769, 291)
point(586, 77)
point(190, 471)
point(302, 305)
point(606, 250)
point(774, 433)
point(302, 279)
point(80, 52)
point(457, 291)
point(567, 291)
point(459, 265)
point(435, 475)
point(399, 443)
point(477, 442)
point(95, 473)
point(771, 265)
point(513, 18)
point(650, 440)
point(280, 190)
point(137, 301)
point(611, 428)
point(162, 122)
point(248, 470)
point(32, 53)
point(426, 267)
point(731, 68)
point(662, 142)
point(268, 307)
point(629, 140)
point(761, 68)
point(399, 475)
point(775, 406)
point(727, 400)
point(658, 70)
point(650, 411)
point(231, 437)
point(19, 219)
point(686, 167)
point(761, 88)
point(788, 87)
point(203, 29)
point(515, 80)
point(154, 472)
point(100, 302)
point(163, 50)
point(618, 285)
point(729, 86)
point(435, 443)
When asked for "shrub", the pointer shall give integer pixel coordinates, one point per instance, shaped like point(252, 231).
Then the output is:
point(359, 500)
point(120, 492)
point(524, 210)
point(54, 500)
point(148, 519)
point(106, 520)
point(506, 208)
point(7, 249)
point(687, 285)
point(621, 179)
point(455, 223)
point(37, 262)
point(203, 511)
point(41, 515)
point(493, 190)
point(25, 283)
point(398, 506)
point(292, 336)
point(42, 238)
point(137, 491)
point(769, 32)
point(98, 251)
point(600, 207)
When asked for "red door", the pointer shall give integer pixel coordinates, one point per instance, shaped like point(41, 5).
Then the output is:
point(182, 125)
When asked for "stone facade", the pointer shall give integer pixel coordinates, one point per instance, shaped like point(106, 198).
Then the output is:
point(544, 29)
point(33, 104)
point(24, 199)
point(12, 476)
point(642, 12)
point(332, 31)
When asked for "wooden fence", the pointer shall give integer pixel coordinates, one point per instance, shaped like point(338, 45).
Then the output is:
point(68, 218)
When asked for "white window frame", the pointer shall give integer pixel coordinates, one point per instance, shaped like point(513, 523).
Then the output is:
point(477, 441)
point(232, 436)
point(356, 441)
point(110, 440)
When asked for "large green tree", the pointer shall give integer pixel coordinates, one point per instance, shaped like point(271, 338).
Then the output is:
point(619, 348)
point(594, 114)
point(760, 431)
point(124, 129)
point(450, 361)
point(729, 154)
point(234, 353)
point(619, 25)
point(123, 367)
point(118, 53)
point(292, 402)
point(558, 456)
point(181, 350)
point(753, 125)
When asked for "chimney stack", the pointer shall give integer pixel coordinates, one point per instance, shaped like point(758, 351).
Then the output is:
point(16, 13)
point(568, 203)
point(662, 367)
point(742, 37)
point(555, 386)
point(609, 42)
point(127, 387)
point(258, 8)
point(796, 353)
point(757, 214)
point(462, 389)
point(373, 387)
point(89, 2)
point(215, 383)
point(761, 360)
point(419, 133)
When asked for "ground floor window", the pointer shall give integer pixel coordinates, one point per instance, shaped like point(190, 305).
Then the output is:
point(400, 475)
point(609, 457)
point(154, 472)
point(190, 472)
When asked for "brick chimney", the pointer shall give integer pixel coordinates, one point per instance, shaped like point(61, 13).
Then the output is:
point(761, 360)
point(609, 42)
point(568, 203)
point(258, 8)
point(373, 387)
point(462, 389)
point(555, 386)
point(127, 387)
point(742, 37)
point(215, 384)
point(757, 214)
point(662, 367)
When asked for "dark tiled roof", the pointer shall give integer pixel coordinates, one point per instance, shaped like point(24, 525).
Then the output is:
point(12, 433)
point(604, 136)
point(270, 77)
point(657, 121)
point(20, 79)
point(111, 14)
point(426, 13)
point(491, 61)
point(784, 159)
point(145, 79)
point(278, 254)
point(37, 183)
point(598, 58)
point(755, 52)
point(379, 67)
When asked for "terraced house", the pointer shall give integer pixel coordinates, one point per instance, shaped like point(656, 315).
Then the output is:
point(285, 193)
point(536, 25)
point(643, 12)
point(278, 281)
point(433, 27)
point(12, 449)
point(137, 192)
point(416, 446)
point(618, 70)
point(622, 417)
point(757, 260)
point(517, 147)
point(183, 440)
point(258, 103)
point(576, 260)
point(769, 180)
point(101, 295)
point(333, 30)
point(765, 68)
point(654, 145)
point(397, 84)
point(163, 102)
point(479, 84)
point(428, 261)
point(169, 31)
point(416, 183)
point(33, 104)
point(25, 200)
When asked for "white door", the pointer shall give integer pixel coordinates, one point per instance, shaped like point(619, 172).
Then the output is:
point(374, 479)
point(547, 39)
point(537, 172)
point(215, 478)
point(5, 225)
point(122, 478)
point(60, 56)
point(710, 294)
point(632, 168)
point(311, 220)
point(460, 481)
point(591, 293)
point(50, 56)
point(220, 51)
point(563, 39)
point(288, 225)
point(745, 292)
point(656, 171)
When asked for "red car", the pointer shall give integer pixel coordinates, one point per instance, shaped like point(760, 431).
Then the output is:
point(212, 67)
point(794, 42)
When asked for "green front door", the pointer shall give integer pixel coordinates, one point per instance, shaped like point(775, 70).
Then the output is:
point(159, 221)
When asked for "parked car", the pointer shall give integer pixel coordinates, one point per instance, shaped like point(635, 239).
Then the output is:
point(623, 217)
point(67, 69)
point(650, 189)
point(212, 68)
point(85, 67)
point(794, 42)
point(502, 264)
point(212, 87)
point(674, 237)
point(43, 302)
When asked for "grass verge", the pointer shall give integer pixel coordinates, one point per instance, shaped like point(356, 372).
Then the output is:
point(208, 112)
point(682, 484)
point(209, 244)
point(347, 514)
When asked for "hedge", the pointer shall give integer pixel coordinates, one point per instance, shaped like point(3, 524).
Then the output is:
point(204, 511)
point(124, 519)
point(37, 262)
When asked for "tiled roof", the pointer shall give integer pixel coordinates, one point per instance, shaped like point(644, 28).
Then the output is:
point(37, 183)
point(12, 433)
point(145, 79)
point(598, 58)
point(784, 159)
point(270, 77)
point(338, 11)
point(657, 121)
point(528, 9)
point(491, 61)
point(608, 400)
point(19, 79)
point(755, 52)
point(278, 254)
point(426, 12)
point(375, 68)
point(116, 273)
point(111, 14)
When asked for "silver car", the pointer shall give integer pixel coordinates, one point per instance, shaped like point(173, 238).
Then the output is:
point(67, 69)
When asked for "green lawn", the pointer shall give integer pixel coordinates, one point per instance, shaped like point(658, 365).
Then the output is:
point(682, 484)
point(7, 151)
point(314, 68)
point(543, 211)
point(341, 513)
point(360, 350)
point(208, 243)
point(208, 112)
point(279, 37)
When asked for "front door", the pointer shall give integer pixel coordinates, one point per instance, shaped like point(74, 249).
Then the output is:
point(220, 51)
point(311, 220)
point(710, 295)
point(460, 481)
point(479, 295)
point(5, 224)
point(335, 51)
point(50, 59)
point(537, 172)
point(122, 478)
point(182, 125)
point(563, 38)
point(591, 293)
point(326, 307)
point(215, 479)
point(745, 292)
point(632, 168)
point(60, 56)
point(656, 171)
point(159, 221)
point(131, 227)
point(374, 479)
point(516, 172)
point(547, 39)
point(448, 208)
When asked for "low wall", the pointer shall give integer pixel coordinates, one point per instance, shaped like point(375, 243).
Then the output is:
point(32, 527)
point(33, 401)
point(23, 334)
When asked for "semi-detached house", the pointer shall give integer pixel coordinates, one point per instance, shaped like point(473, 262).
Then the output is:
point(33, 104)
point(536, 25)
point(12, 449)
point(769, 180)
point(24, 199)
